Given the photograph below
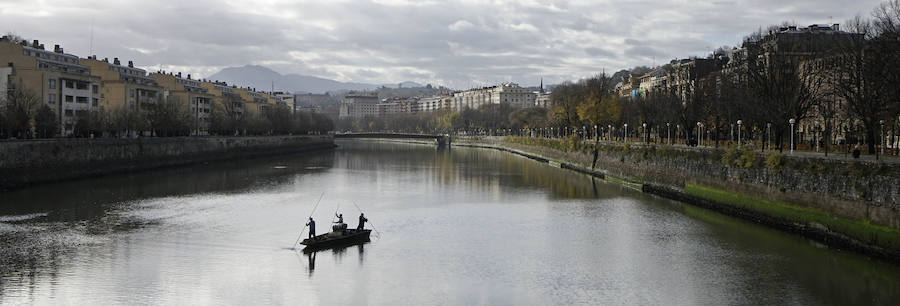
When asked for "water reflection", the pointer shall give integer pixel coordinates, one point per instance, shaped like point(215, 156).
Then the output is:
point(460, 226)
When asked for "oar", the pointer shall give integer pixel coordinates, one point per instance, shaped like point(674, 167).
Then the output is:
point(370, 222)
point(310, 216)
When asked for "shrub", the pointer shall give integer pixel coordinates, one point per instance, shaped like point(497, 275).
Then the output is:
point(775, 162)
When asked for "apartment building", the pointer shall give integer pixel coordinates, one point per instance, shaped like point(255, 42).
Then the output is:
point(434, 103)
point(123, 86)
point(57, 78)
point(506, 93)
point(188, 91)
point(358, 106)
point(225, 97)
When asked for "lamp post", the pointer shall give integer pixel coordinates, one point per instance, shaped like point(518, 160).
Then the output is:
point(768, 134)
point(739, 122)
point(699, 134)
point(596, 133)
point(644, 125)
point(609, 131)
point(625, 133)
point(792, 121)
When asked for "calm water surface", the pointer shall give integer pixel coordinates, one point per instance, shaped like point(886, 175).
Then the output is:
point(461, 226)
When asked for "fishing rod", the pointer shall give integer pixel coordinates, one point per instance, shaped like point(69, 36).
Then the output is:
point(367, 220)
point(310, 216)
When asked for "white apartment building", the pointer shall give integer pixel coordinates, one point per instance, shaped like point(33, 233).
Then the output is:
point(506, 93)
point(284, 98)
point(358, 106)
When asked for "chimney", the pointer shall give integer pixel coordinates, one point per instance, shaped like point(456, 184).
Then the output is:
point(57, 49)
point(106, 60)
point(41, 47)
point(836, 27)
point(179, 74)
point(189, 76)
point(130, 64)
point(116, 61)
point(35, 44)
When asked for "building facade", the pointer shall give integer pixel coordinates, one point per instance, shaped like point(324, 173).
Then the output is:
point(188, 92)
point(506, 93)
point(359, 106)
point(123, 86)
point(57, 78)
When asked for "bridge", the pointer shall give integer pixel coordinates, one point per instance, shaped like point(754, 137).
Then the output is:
point(440, 140)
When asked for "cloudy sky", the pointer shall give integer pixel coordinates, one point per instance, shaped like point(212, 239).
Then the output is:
point(455, 43)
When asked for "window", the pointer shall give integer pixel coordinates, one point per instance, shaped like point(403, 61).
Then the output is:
point(94, 102)
point(81, 100)
point(131, 93)
point(52, 84)
point(70, 84)
point(81, 85)
point(69, 112)
point(96, 88)
point(70, 98)
point(51, 99)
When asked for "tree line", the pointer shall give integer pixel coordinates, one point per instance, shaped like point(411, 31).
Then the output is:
point(24, 116)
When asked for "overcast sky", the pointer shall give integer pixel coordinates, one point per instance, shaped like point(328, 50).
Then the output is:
point(455, 43)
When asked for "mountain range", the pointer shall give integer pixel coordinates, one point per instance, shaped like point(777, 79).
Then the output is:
point(262, 78)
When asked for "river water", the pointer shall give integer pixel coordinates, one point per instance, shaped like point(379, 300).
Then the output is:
point(461, 226)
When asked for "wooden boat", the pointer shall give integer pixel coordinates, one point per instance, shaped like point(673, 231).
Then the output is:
point(339, 236)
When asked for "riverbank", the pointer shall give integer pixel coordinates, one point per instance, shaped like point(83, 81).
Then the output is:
point(756, 188)
point(24, 163)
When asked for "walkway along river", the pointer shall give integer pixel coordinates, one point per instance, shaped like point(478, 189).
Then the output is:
point(460, 226)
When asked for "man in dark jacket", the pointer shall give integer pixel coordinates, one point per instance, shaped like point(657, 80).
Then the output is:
point(312, 227)
point(362, 221)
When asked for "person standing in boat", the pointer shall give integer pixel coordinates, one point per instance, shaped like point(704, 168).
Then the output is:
point(340, 218)
point(362, 221)
point(312, 227)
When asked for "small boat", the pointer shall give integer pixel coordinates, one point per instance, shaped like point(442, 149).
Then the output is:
point(339, 236)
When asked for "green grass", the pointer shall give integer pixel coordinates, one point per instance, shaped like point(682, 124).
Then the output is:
point(861, 230)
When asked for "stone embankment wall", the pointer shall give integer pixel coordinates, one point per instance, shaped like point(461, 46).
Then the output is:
point(37, 161)
point(857, 195)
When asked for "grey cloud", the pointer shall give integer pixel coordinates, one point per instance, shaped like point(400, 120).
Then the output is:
point(362, 41)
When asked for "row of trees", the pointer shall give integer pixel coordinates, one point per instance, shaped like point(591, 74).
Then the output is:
point(833, 86)
point(22, 115)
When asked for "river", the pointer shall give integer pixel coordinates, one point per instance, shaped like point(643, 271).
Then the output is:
point(461, 226)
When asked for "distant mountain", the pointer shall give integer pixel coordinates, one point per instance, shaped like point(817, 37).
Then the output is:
point(261, 78)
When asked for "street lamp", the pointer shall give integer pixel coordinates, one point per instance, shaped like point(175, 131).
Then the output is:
point(699, 134)
point(768, 134)
point(609, 131)
point(596, 133)
point(644, 125)
point(792, 121)
point(625, 133)
point(739, 122)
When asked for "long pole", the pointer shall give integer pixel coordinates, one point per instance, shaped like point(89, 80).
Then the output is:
point(370, 222)
point(310, 216)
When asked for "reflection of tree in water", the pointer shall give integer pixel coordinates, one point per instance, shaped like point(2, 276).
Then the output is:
point(474, 169)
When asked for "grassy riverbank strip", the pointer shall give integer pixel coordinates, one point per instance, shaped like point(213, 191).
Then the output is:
point(837, 231)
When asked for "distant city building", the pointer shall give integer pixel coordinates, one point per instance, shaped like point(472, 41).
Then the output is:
point(57, 78)
point(506, 93)
point(542, 99)
point(358, 106)
point(436, 102)
point(284, 99)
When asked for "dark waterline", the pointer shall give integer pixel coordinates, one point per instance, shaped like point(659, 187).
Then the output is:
point(459, 226)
